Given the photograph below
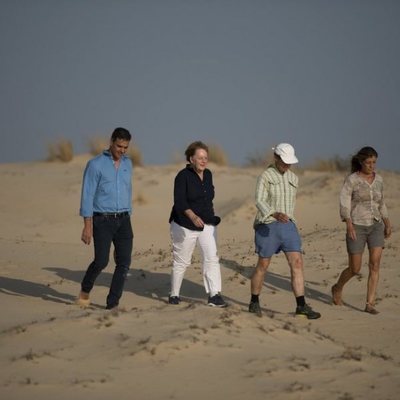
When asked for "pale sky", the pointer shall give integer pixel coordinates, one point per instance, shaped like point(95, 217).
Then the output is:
point(244, 74)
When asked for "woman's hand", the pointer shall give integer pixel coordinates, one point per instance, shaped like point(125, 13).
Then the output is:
point(388, 231)
point(197, 221)
point(351, 232)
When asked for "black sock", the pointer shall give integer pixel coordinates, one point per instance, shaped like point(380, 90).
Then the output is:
point(300, 301)
point(254, 298)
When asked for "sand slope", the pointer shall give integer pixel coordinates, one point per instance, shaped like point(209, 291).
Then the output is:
point(150, 350)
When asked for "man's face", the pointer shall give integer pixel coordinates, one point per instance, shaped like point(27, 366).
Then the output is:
point(280, 165)
point(118, 148)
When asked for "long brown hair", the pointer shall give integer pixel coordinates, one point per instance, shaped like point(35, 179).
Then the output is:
point(361, 156)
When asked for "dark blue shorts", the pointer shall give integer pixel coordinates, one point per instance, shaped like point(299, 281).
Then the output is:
point(272, 238)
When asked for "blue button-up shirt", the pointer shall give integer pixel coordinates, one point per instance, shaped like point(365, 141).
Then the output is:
point(106, 188)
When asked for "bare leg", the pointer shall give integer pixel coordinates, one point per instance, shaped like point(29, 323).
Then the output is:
point(295, 261)
point(257, 279)
point(352, 270)
point(375, 254)
point(303, 310)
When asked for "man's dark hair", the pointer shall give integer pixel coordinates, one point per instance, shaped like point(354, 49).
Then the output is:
point(121, 133)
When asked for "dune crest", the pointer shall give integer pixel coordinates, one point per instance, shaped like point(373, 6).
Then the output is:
point(150, 350)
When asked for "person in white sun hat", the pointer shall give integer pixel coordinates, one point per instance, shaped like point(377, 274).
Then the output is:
point(275, 228)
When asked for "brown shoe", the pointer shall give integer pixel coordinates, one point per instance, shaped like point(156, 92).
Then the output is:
point(336, 296)
point(371, 309)
point(83, 299)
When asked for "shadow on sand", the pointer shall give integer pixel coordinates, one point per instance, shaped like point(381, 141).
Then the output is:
point(275, 281)
point(152, 285)
point(20, 287)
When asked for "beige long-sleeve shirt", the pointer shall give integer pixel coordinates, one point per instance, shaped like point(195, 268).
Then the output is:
point(362, 202)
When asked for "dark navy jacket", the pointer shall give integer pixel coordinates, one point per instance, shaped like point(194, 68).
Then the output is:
point(190, 192)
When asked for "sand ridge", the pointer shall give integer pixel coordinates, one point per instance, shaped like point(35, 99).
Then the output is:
point(150, 350)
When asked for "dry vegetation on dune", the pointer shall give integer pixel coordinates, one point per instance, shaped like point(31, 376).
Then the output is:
point(259, 158)
point(63, 151)
point(50, 347)
point(333, 164)
point(98, 144)
point(217, 155)
point(60, 151)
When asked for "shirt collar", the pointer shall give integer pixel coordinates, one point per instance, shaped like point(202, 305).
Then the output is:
point(107, 153)
point(190, 167)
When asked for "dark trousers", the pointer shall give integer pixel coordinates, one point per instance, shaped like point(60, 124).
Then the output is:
point(107, 230)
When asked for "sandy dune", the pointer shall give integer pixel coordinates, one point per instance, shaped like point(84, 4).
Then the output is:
point(50, 348)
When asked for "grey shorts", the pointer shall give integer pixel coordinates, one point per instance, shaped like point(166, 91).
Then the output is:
point(373, 235)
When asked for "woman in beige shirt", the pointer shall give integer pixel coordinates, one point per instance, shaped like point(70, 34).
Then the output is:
point(363, 208)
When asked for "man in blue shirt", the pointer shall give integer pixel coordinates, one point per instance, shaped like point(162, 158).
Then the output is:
point(106, 206)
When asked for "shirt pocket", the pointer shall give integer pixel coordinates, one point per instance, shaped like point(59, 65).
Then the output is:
point(294, 182)
point(125, 178)
point(274, 180)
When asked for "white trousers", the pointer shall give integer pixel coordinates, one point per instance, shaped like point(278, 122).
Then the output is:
point(184, 242)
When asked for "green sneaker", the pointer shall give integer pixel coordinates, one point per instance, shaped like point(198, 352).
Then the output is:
point(307, 312)
point(254, 307)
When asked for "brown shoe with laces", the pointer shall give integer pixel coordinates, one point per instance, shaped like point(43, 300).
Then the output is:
point(83, 300)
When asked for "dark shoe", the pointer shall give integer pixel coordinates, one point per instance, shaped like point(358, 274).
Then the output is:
point(336, 296)
point(217, 301)
point(174, 300)
point(371, 309)
point(111, 306)
point(254, 307)
point(307, 312)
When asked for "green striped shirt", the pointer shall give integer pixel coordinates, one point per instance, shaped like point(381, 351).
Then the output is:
point(275, 192)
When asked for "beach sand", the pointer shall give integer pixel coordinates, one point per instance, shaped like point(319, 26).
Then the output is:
point(51, 348)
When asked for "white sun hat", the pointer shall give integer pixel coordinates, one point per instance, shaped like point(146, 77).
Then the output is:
point(286, 152)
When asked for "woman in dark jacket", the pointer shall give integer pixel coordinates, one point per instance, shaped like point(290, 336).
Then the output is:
point(193, 220)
